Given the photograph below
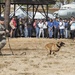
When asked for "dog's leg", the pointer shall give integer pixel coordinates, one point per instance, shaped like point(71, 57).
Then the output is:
point(0, 52)
point(54, 53)
point(50, 52)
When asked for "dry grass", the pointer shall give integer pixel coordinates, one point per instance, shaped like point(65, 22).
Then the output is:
point(36, 61)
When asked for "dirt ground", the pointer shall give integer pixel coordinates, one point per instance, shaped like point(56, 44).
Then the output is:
point(30, 57)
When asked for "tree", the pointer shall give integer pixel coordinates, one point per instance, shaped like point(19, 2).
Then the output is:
point(7, 12)
point(68, 1)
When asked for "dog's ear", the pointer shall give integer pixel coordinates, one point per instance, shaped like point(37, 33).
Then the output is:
point(62, 44)
point(58, 44)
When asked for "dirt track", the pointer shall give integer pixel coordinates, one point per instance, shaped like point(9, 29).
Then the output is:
point(30, 58)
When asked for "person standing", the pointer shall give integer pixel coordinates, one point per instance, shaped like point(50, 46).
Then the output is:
point(36, 27)
point(66, 28)
point(13, 26)
point(25, 29)
point(72, 27)
point(21, 27)
point(56, 28)
point(41, 30)
point(50, 28)
point(29, 25)
point(61, 28)
point(45, 24)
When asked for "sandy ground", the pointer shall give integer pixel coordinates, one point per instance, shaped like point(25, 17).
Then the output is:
point(30, 58)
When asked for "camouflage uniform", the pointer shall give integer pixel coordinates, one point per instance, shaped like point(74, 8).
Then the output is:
point(2, 37)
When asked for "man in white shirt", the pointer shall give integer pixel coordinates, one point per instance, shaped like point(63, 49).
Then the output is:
point(40, 24)
point(61, 28)
point(72, 28)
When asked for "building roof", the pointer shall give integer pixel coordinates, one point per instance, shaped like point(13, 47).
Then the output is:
point(30, 2)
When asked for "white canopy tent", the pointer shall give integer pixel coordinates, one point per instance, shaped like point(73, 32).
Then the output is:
point(42, 15)
point(20, 13)
point(39, 16)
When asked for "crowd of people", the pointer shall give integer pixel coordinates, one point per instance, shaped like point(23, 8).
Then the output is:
point(50, 28)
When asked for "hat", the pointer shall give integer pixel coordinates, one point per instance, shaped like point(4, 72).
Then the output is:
point(1, 19)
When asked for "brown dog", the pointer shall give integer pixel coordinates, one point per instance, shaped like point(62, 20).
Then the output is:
point(54, 47)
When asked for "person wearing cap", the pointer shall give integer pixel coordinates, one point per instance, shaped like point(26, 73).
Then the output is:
point(2, 34)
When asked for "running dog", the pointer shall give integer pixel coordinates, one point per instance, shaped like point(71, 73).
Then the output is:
point(52, 47)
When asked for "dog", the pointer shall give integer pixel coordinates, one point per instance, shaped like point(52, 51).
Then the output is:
point(52, 47)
